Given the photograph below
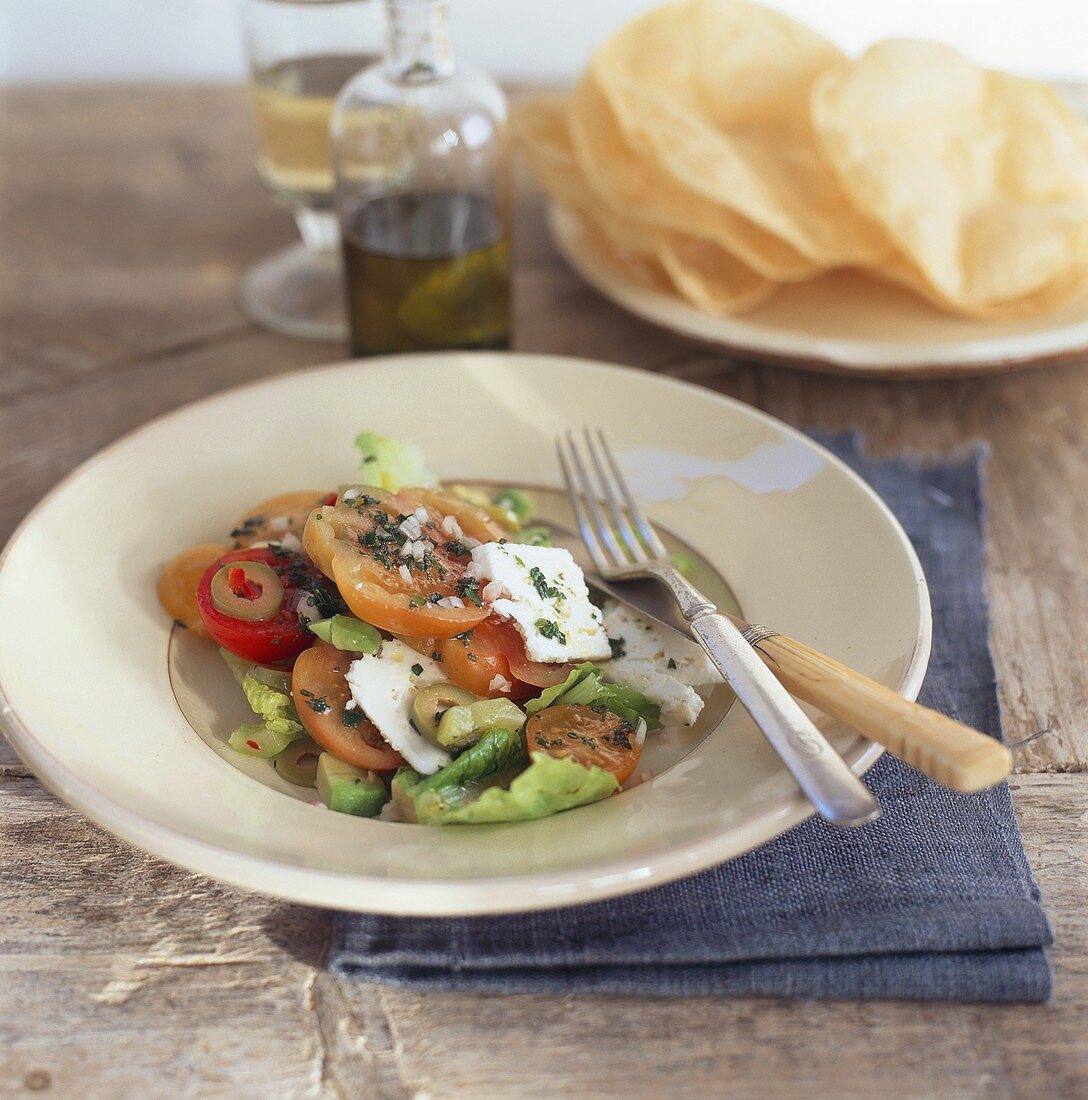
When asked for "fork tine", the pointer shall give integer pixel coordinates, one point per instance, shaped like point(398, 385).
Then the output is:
point(589, 536)
point(645, 527)
point(589, 495)
point(627, 532)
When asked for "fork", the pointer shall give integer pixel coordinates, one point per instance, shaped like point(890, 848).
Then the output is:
point(620, 554)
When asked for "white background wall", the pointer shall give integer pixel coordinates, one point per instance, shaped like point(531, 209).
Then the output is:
point(73, 40)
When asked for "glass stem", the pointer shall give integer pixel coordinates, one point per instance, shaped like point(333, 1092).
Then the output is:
point(418, 46)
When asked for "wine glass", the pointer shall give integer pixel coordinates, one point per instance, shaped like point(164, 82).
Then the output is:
point(301, 53)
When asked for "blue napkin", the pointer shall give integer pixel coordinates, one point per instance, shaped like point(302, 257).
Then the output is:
point(933, 901)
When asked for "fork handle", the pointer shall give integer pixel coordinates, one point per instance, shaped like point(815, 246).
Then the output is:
point(836, 792)
point(942, 748)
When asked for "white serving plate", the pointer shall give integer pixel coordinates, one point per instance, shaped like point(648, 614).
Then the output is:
point(86, 660)
point(844, 323)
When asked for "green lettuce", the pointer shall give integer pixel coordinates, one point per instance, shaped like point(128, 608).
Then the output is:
point(546, 787)
point(390, 464)
point(586, 686)
point(279, 724)
point(460, 781)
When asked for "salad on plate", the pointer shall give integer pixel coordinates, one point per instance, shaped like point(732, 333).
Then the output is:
point(421, 652)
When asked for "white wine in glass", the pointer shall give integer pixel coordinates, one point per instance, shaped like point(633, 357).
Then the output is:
point(301, 53)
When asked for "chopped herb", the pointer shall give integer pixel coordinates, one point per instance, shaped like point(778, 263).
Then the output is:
point(318, 705)
point(417, 670)
point(458, 548)
point(464, 635)
point(436, 656)
point(620, 736)
point(618, 647)
point(350, 718)
point(544, 590)
point(519, 561)
point(469, 589)
point(417, 601)
point(551, 629)
point(672, 663)
point(306, 694)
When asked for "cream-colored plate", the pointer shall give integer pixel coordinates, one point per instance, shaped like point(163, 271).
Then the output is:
point(843, 323)
point(86, 660)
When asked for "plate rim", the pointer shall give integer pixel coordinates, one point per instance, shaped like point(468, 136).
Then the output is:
point(683, 319)
point(415, 897)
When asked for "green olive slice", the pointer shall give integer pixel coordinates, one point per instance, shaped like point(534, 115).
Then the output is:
point(432, 701)
point(298, 762)
point(247, 590)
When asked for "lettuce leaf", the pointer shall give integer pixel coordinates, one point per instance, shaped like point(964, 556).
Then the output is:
point(546, 787)
point(390, 464)
point(587, 686)
point(279, 724)
point(277, 709)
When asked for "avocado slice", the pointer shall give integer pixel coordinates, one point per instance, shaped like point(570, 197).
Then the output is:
point(349, 790)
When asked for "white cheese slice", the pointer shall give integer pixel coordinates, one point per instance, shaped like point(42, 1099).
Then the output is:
point(382, 686)
point(663, 666)
point(635, 638)
point(542, 591)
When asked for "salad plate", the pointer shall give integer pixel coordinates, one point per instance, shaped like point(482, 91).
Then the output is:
point(840, 323)
point(128, 718)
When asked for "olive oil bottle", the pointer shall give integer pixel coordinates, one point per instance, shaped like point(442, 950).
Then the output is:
point(420, 151)
point(426, 270)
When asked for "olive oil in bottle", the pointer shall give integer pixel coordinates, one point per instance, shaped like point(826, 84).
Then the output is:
point(420, 148)
point(426, 271)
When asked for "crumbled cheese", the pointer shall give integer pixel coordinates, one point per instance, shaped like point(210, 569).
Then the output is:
point(499, 683)
point(406, 574)
point(279, 523)
point(451, 527)
point(645, 652)
point(542, 591)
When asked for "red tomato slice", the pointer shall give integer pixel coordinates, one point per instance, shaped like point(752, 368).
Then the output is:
point(275, 641)
point(494, 648)
point(360, 546)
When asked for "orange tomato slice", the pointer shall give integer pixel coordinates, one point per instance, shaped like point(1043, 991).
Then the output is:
point(179, 581)
point(270, 520)
point(590, 736)
point(494, 648)
point(360, 546)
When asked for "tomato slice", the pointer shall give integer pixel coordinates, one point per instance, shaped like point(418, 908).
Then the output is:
point(590, 736)
point(473, 521)
point(274, 641)
point(360, 543)
point(494, 648)
point(322, 695)
point(179, 582)
point(286, 513)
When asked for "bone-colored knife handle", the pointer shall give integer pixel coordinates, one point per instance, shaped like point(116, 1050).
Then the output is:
point(942, 748)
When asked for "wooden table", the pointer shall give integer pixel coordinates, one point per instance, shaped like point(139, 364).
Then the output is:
point(127, 216)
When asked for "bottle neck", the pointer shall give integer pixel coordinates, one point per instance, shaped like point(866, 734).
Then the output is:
point(418, 46)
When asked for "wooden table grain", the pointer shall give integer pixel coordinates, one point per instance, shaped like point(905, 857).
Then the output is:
point(126, 217)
